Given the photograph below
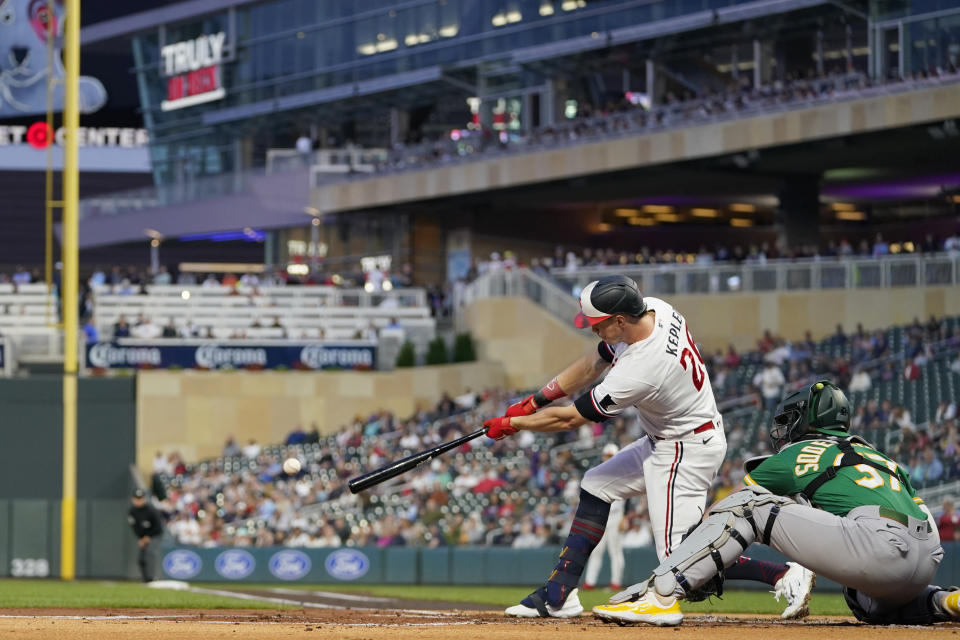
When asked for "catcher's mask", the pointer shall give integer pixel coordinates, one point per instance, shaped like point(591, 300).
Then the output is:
point(817, 409)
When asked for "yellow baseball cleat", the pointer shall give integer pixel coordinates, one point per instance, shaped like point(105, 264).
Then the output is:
point(646, 610)
point(951, 603)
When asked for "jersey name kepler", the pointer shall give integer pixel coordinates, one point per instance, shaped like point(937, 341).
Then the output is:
point(673, 340)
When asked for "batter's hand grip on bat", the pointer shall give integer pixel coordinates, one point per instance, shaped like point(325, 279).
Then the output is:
point(403, 465)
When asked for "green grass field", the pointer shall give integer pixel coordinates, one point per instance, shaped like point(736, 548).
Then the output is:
point(122, 595)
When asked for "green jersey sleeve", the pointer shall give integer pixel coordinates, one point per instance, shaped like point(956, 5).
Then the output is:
point(775, 474)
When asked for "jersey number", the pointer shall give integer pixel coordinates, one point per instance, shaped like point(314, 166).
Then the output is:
point(696, 371)
point(874, 479)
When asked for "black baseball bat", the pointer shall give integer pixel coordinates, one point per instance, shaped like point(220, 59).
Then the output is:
point(394, 469)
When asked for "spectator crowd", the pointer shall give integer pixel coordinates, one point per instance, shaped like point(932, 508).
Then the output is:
point(520, 491)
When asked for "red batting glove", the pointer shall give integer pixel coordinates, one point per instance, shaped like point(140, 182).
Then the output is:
point(523, 408)
point(499, 428)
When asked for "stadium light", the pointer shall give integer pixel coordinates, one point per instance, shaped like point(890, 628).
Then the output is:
point(449, 31)
point(667, 217)
point(499, 20)
point(546, 9)
point(702, 212)
point(657, 208)
point(851, 215)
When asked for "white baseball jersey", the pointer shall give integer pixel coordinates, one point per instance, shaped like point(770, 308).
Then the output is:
point(663, 376)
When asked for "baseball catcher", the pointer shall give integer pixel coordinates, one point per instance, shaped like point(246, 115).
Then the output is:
point(852, 516)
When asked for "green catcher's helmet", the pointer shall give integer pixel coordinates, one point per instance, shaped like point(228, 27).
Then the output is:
point(817, 409)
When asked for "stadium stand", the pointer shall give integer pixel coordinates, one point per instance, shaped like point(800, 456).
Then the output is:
point(29, 314)
point(272, 312)
point(600, 122)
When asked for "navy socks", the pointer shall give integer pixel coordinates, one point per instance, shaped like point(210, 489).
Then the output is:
point(585, 533)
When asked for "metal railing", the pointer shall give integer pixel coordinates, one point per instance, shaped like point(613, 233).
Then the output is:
point(519, 282)
point(934, 496)
point(557, 292)
point(33, 344)
point(914, 270)
point(325, 160)
point(192, 190)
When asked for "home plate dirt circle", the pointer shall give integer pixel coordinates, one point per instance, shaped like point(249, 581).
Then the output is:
point(417, 623)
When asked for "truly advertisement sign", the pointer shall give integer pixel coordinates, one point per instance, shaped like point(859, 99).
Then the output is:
point(193, 70)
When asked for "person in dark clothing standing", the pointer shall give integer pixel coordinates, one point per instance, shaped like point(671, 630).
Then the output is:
point(148, 528)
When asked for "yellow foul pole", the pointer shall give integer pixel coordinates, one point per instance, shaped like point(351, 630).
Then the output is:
point(71, 194)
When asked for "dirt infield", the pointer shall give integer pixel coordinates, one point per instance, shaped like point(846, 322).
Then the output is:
point(364, 617)
point(395, 624)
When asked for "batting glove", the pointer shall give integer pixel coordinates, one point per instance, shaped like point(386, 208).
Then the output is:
point(523, 408)
point(499, 428)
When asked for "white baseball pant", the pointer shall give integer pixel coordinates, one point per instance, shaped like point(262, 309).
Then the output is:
point(677, 475)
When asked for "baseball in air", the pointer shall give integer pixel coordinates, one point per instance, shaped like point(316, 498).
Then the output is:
point(291, 466)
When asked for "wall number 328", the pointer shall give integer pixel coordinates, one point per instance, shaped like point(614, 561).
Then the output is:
point(29, 568)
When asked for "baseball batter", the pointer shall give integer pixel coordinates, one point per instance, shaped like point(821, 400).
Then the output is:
point(654, 365)
point(853, 517)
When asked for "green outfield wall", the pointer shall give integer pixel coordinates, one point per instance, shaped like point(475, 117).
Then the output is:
point(31, 457)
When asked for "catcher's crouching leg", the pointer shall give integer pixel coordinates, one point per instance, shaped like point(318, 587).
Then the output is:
point(731, 527)
point(926, 608)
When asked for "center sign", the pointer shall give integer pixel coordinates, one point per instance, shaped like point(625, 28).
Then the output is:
point(193, 71)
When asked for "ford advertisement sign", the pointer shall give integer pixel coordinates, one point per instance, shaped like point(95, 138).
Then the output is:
point(235, 564)
point(289, 564)
point(347, 564)
point(182, 564)
point(139, 354)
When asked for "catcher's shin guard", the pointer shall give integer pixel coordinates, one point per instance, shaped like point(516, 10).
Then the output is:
point(586, 531)
point(720, 539)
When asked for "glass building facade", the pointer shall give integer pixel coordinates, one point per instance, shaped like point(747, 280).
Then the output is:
point(320, 53)
point(286, 66)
